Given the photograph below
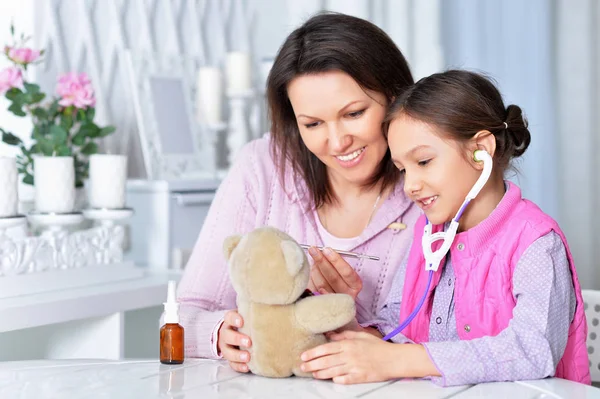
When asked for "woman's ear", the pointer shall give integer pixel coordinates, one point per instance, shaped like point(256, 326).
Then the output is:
point(483, 140)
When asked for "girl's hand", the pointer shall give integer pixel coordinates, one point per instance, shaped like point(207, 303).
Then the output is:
point(230, 340)
point(331, 273)
point(357, 357)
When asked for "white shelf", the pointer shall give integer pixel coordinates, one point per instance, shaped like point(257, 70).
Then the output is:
point(82, 303)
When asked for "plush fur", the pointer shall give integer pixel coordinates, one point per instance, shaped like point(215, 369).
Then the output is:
point(269, 272)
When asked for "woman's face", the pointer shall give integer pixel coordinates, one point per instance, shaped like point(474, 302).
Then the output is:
point(340, 123)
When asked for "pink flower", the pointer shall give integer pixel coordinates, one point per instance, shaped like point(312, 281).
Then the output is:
point(75, 90)
point(23, 55)
point(10, 77)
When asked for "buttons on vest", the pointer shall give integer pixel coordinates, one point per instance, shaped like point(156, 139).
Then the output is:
point(467, 328)
point(438, 320)
point(449, 282)
point(460, 246)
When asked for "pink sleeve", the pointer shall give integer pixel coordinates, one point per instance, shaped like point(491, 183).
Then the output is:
point(205, 292)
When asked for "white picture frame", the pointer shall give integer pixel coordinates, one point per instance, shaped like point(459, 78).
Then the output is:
point(162, 91)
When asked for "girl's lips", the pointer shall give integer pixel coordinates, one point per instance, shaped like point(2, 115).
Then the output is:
point(352, 162)
point(428, 202)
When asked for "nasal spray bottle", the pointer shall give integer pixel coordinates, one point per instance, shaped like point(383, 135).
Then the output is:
point(171, 333)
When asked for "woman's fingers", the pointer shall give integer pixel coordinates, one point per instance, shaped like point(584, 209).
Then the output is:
point(317, 278)
point(239, 367)
point(230, 340)
point(333, 273)
point(234, 319)
point(349, 276)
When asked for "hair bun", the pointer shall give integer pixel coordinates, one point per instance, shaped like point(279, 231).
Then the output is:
point(518, 136)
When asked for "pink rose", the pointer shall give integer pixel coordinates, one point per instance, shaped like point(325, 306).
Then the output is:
point(23, 55)
point(10, 77)
point(75, 90)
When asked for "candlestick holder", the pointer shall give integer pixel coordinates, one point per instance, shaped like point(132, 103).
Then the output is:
point(238, 129)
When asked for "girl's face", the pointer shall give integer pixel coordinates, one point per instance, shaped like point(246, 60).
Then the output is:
point(340, 123)
point(437, 172)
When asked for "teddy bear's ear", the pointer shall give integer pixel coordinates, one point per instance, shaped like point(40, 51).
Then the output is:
point(294, 257)
point(229, 245)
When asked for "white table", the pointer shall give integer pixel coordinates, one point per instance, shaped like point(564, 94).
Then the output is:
point(206, 379)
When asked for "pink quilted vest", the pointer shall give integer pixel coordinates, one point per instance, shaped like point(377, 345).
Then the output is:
point(483, 259)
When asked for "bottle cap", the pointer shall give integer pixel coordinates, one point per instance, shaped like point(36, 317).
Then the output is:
point(171, 306)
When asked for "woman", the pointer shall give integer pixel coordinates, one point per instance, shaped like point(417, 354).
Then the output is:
point(324, 176)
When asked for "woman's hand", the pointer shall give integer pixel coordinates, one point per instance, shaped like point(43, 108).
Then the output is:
point(230, 340)
point(357, 357)
point(331, 273)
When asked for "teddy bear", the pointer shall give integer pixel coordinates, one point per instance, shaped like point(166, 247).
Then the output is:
point(269, 272)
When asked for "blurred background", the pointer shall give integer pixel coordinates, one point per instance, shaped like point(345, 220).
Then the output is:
point(544, 54)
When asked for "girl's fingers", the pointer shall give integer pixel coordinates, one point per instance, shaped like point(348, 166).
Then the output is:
point(330, 373)
point(319, 351)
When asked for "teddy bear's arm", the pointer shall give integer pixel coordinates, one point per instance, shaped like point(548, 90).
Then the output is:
point(322, 313)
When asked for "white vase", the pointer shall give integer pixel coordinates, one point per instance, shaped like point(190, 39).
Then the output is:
point(54, 180)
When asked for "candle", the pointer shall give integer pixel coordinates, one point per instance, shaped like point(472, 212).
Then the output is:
point(239, 73)
point(8, 187)
point(108, 175)
point(54, 180)
point(209, 96)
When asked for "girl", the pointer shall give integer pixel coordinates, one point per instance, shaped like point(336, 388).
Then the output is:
point(505, 303)
point(324, 175)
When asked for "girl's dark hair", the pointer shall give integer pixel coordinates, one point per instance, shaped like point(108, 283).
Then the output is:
point(462, 103)
point(330, 42)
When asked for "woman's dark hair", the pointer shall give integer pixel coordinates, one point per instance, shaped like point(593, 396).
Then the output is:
point(462, 103)
point(331, 42)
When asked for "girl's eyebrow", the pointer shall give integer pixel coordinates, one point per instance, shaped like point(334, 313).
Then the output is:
point(417, 148)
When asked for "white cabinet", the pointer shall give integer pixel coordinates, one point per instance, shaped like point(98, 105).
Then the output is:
point(167, 220)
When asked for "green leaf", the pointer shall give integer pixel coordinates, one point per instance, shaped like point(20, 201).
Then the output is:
point(39, 113)
point(89, 130)
point(58, 134)
point(53, 109)
point(10, 138)
point(89, 149)
point(46, 147)
point(63, 151)
point(31, 87)
point(107, 130)
point(66, 121)
point(80, 116)
point(13, 93)
point(16, 108)
point(12, 28)
point(90, 113)
point(79, 139)
point(28, 179)
point(37, 97)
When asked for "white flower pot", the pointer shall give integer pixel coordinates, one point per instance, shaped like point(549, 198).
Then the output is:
point(54, 180)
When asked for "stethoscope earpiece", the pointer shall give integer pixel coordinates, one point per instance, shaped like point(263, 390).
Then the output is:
point(480, 155)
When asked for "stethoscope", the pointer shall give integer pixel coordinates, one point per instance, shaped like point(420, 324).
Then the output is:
point(434, 258)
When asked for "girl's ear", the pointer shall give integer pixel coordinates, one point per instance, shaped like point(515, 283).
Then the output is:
point(482, 140)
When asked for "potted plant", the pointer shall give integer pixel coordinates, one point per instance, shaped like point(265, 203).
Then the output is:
point(63, 125)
